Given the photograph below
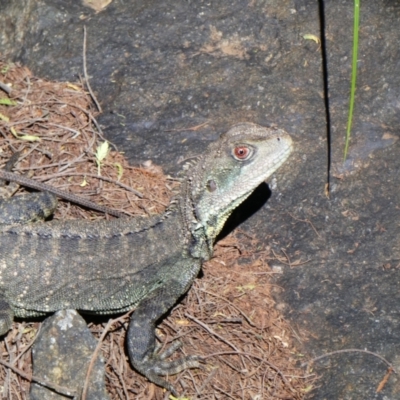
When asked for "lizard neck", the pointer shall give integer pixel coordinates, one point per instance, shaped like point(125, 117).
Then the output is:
point(199, 242)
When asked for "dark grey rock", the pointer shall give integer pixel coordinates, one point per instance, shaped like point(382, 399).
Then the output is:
point(159, 68)
point(15, 17)
point(61, 354)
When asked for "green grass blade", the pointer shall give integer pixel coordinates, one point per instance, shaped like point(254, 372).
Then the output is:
point(353, 75)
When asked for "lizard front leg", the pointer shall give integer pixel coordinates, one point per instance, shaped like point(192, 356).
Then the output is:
point(141, 340)
point(6, 315)
point(23, 209)
point(27, 209)
point(19, 210)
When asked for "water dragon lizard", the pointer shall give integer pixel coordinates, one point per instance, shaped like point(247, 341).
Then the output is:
point(108, 267)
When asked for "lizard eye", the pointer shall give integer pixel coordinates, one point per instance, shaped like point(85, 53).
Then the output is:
point(242, 153)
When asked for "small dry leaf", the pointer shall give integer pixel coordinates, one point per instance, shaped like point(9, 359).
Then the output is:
point(308, 36)
point(4, 118)
point(120, 170)
point(7, 102)
point(28, 138)
point(102, 151)
point(96, 5)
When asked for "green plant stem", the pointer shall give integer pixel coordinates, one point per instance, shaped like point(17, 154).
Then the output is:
point(353, 75)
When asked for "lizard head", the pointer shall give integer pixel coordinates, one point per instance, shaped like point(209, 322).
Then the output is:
point(230, 169)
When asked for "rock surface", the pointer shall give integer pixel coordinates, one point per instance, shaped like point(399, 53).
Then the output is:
point(61, 354)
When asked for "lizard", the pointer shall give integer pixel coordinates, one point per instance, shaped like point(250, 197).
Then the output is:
point(140, 263)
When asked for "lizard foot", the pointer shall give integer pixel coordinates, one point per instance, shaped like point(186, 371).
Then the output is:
point(155, 365)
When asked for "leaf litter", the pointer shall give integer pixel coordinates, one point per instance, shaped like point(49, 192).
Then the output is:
point(228, 316)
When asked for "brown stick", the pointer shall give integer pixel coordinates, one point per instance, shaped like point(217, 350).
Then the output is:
point(25, 181)
point(355, 351)
point(85, 72)
point(5, 87)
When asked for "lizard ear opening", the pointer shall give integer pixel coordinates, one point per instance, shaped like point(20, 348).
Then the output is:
point(211, 185)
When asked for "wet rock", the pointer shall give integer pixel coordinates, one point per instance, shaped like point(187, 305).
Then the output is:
point(61, 354)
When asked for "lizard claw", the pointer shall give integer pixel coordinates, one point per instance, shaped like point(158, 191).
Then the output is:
point(155, 366)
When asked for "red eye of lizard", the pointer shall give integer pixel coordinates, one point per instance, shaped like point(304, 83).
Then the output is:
point(241, 153)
